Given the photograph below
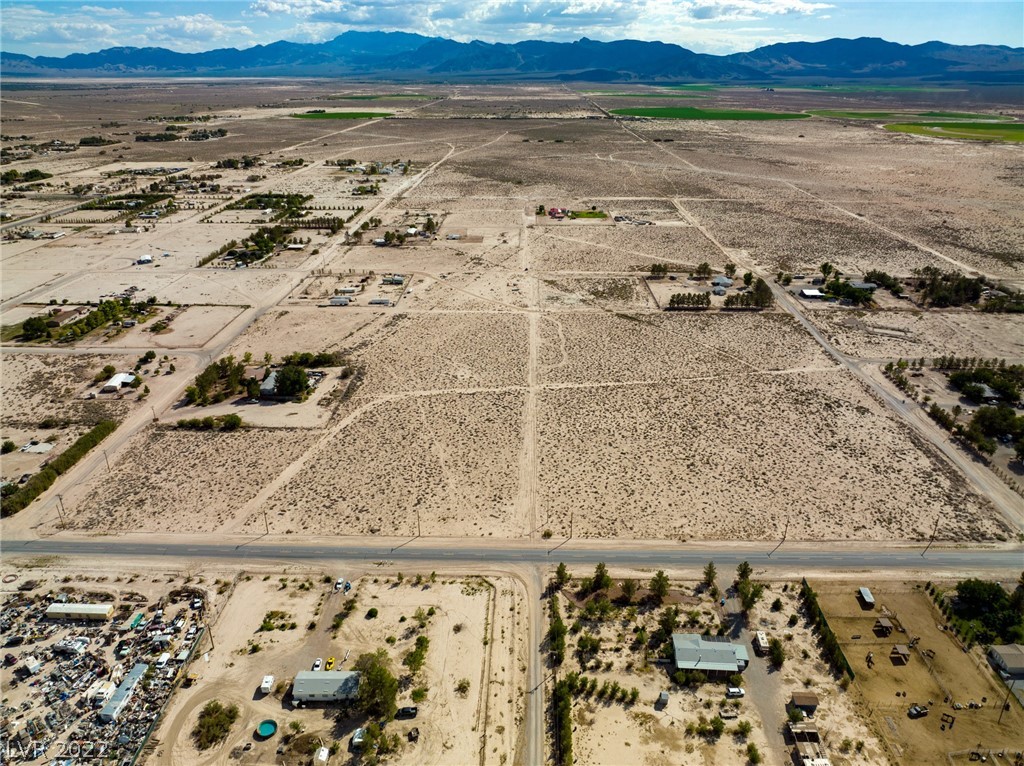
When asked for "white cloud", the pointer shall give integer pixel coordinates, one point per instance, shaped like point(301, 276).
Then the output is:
point(200, 27)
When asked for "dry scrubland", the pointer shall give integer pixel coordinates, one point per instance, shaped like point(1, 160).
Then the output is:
point(527, 348)
point(733, 458)
point(913, 334)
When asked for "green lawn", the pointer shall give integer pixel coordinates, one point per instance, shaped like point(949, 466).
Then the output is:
point(343, 115)
point(9, 332)
point(693, 113)
point(905, 116)
point(588, 214)
point(983, 131)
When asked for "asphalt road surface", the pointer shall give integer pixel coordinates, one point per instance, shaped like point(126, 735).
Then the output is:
point(427, 550)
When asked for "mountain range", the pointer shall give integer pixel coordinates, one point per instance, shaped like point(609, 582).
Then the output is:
point(405, 56)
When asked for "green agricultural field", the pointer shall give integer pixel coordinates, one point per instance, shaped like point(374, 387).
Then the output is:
point(342, 115)
point(844, 115)
point(693, 113)
point(694, 86)
point(652, 95)
point(869, 88)
point(379, 96)
point(979, 131)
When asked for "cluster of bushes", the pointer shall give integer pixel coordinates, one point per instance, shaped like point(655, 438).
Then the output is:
point(658, 270)
point(846, 291)
point(219, 423)
point(95, 141)
point(266, 238)
point(1005, 381)
point(561, 710)
point(42, 481)
point(309, 360)
point(983, 612)
point(13, 176)
point(134, 201)
point(219, 381)
point(611, 691)
point(895, 373)
point(215, 721)
point(556, 633)
point(711, 730)
point(1005, 304)
point(290, 203)
point(760, 297)
point(157, 137)
point(245, 162)
point(887, 281)
point(833, 651)
point(948, 288)
point(418, 655)
point(689, 301)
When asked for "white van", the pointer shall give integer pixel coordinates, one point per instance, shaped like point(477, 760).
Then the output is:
point(164, 659)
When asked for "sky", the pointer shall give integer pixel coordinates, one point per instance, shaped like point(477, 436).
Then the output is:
point(57, 28)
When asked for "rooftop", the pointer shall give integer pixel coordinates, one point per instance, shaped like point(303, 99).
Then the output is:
point(708, 653)
point(339, 684)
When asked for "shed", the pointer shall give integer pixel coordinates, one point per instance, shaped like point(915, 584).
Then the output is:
point(866, 599)
point(811, 293)
point(79, 611)
point(339, 300)
point(718, 290)
point(144, 259)
point(662, 701)
point(883, 626)
point(805, 701)
point(858, 285)
point(325, 685)
point(900, 654)
point(116, 383)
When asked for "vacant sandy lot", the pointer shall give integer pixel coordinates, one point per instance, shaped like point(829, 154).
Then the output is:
point(712, 470)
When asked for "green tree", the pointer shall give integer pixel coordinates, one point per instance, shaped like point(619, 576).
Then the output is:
point(602, 580)
point(827, 269)
point(562, 575)
point(710, 573)
point(762, 294)
point(378, 687)
point(748, 279)
point(776, 652)
point(703, 271)
point(33, 327)
point(292, 381)
point(659, 586)
point(8, 446)
point(730, 270)
point(743, 571)
point(629, 588)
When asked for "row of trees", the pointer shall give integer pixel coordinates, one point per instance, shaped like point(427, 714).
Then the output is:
point(229, 422)
point(760, 297)
point(689, 301)
point(42, 480)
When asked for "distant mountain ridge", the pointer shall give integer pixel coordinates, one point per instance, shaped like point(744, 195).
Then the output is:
point(402, 55)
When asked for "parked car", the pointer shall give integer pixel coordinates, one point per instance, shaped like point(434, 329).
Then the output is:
point(358, 738)
point(319, 663)
point(330, 664)
point(734, 692)
point(917, 711)
point(15, 641)
point(407, 712)
point(340, 583)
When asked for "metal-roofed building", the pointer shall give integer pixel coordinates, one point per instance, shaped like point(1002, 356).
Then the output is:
point(1009, 659)
point(116, 383)
point(79, 611)
point(708, 654)
point(325, 685)
point(124, 692)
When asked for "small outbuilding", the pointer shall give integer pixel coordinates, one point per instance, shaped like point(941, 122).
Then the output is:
point(883, 626)
point(805, 701)
point(900, 654)
point(867, 601)
point(116, 383)
point(811, 293)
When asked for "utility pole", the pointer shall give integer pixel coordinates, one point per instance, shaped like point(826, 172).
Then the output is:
point(932, 540)
point(151, 409)
point(107, 459)
point(572, 515)
point(266, 523)
point(60, 509)
point(1009, 688)
point(419, 529)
